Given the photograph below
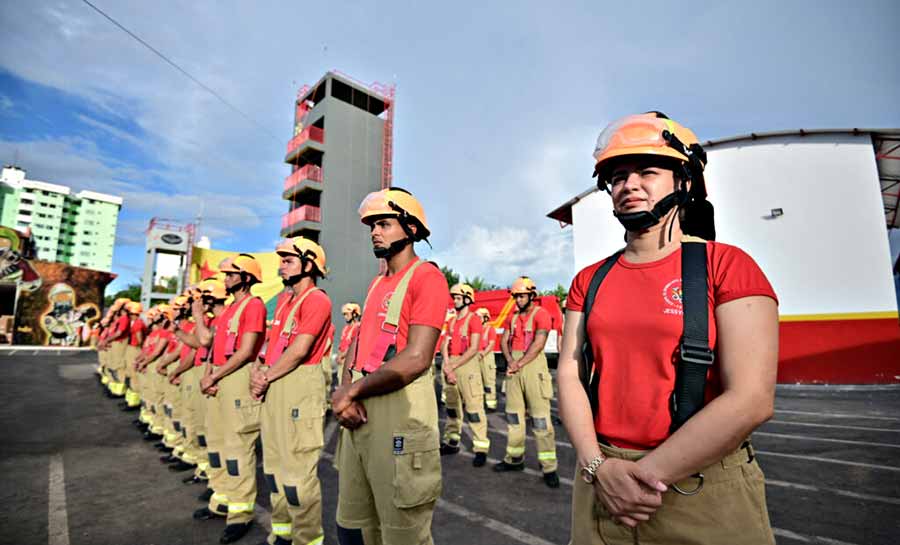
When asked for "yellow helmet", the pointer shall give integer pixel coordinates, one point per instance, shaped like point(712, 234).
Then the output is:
point(134, 307)
point(484, 313)
point(179, 302)
point(463, 290)
point(398, 203)
point(352, 308)
point(166, 311)
point(243, 263)
point(523, 284)
point(304, 248)
point(212, 288)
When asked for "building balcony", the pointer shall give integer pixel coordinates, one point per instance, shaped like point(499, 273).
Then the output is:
point(302, 179)
point(311, 136)
point(306, 217)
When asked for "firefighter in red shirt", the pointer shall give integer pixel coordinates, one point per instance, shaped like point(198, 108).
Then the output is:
point(390, 464)
point(290, 381)
point(117, 341)
point(351, 313)
point(528, 383)
point(239, 337)
point(136, 331)
point(486, 356)
point(669, 358)
point(462, 370)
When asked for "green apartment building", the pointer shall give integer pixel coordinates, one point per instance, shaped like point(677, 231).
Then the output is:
point(78, 229)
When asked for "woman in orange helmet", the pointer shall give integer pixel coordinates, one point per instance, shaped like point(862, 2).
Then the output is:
point(655, 441)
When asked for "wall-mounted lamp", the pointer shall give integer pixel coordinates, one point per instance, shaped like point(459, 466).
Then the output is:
point(775, 213)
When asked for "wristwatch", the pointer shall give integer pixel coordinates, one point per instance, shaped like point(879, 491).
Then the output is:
point(589, 471)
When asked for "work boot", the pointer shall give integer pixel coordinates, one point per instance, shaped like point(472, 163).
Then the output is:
point(234, 532)
point(130, 409)
point(150, 436)
point(503, 467)
point(448, 449)
point(205, 514)
point(168, 459)
point(551, 479)
point(206, 495)
point(480, 459)
point(181, 466)
point(167, 450)
point(193, 479)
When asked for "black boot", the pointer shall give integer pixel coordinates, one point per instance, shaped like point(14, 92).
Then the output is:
point(503, 467)
point(181, 466)
point(206, 495)
point(168, 459)
point(448, 449)
point(480, 459)
point(234, 532)
point(551, 479)
point(205, 514)
point(150, 436)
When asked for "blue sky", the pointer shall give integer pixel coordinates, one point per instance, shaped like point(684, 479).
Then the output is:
point(498, 103)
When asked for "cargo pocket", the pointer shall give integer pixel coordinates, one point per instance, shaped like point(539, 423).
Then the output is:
point(546, 384)
point(417, 468)
point(248, 414)
point(306, 424)
point(475, 387)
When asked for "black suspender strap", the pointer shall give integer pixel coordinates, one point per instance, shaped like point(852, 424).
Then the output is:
point(695, 357)
point(589, 378)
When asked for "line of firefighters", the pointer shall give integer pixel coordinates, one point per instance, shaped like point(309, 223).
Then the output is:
point(209, 376)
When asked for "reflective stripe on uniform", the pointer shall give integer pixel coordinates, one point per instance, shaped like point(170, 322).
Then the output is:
point(515, 452)
point(491, 404)
point(219, 498)
point(454, 437)
point(202, 466)
point(281, 528)
point(481, 444)
point(317, 541)
point(240, 507)
point(547, 455)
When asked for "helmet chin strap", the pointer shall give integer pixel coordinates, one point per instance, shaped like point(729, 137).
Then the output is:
point(639, 221)
point(393, 249)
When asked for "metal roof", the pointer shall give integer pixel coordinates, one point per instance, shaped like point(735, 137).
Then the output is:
point(886, 144)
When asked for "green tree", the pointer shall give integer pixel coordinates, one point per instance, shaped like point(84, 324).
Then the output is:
point(451, 276)
point(480, 284)
point(559, 291)
point(132, 291)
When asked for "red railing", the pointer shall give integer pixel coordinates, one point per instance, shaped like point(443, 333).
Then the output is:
point(308, 172)
point(309, 133)
point(304, 213)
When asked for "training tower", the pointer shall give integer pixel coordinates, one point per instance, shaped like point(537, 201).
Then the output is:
point(168, 244)
point(341, 150)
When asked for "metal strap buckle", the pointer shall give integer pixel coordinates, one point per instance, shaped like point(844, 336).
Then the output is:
point(697, 353)
point(696, 490)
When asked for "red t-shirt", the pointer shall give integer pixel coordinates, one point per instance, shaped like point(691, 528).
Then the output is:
point(488, 337)
point(150, 342)
point(635, 327)
point(120, 333)
point(455, 329)
point(425, 304)
point(172, 341)
point(347, 333)
point(201, 352)
point(542, 321)
point(312, 317)
point(137, 327)
point(252, 320)
point(187, 327)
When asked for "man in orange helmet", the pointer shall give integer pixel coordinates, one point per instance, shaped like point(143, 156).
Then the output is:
point(462, 370)
point(237, 342)
point(528, 382)
point(486, 355)
point(351, 313)
point(117, 341)
point(390, 466)
point(136, 331)
point(289, 380)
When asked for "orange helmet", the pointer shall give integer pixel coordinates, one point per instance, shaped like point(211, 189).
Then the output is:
point(134, 307)
point(523, 284)
point(243, 263)
point(212, 288)
point(646, 134)
point(484, 313)
point(463, 290)
point(352, 308)
point(179, 302)
point(166, 311)
point(395, 202)
point(304, 249)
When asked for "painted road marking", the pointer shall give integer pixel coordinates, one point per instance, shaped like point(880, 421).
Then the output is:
point(835, 426)
point(824, 439)
point(838, 415)
point(827, 460)
point(57, 517)
point(837, 491)
point(787, 534)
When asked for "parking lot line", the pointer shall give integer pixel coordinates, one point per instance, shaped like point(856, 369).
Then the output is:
point(834, 426)
point(827, 460)
point(57, 516)
point(837, 491)
point(492, 524)
point(787, 534)
point(838, 415)
point(824, 439)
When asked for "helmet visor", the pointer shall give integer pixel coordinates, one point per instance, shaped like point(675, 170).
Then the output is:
point(633, 131)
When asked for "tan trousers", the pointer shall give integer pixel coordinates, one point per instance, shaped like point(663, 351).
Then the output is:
point(390, 468)
point(730, 508)
point(156, 392)
point(327, 367)
point(116, 366)
point(131, 394)
point(239, 416)
point(467, 395)
point(530, 389)
point(215, 446)
point(291, 425)
point(190, 390)
point(172, 410)
point(489, 377)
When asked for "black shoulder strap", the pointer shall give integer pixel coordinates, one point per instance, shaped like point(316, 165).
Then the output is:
point(695, 357)
point(590, 379)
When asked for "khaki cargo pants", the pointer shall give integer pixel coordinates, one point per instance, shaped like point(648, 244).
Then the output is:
point(489, 378)
point(327, 367)
point(172, 410)
point(155, 383)
point(467, 395)
point(214, 441)
point(291, 424)
point(116, 366)
point(532, 389)
point(188, 417)
point(390, 469)
point(131, 395)
point(730, 508)
point(238, 415)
